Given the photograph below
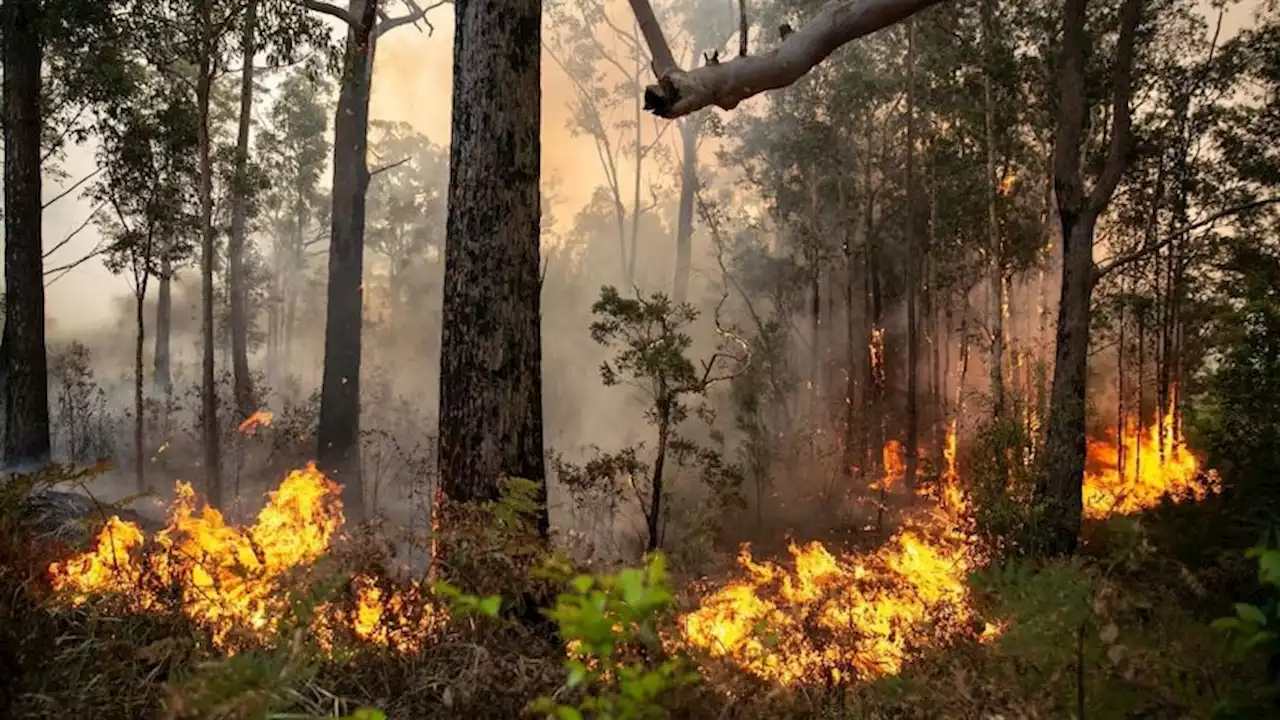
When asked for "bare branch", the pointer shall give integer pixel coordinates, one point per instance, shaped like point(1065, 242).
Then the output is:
point(389, 166)
point(62, 243)
point(742, 28)
point(725, 85)
point(71, 189)
point(418, 13)
point(1119, 261)
point(330, 10)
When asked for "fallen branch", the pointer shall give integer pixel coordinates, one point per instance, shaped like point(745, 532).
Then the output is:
point(726, 84)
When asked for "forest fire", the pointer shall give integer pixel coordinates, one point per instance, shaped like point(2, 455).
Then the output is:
point(851, 616)
point(1155, 464)
point(260, 418)
point(830, 616)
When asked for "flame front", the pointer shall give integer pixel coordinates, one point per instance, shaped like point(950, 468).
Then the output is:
point(858, 615)
point(230, 579)
point(1156, 464)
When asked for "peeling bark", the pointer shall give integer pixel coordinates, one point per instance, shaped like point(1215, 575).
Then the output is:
point(725, 85)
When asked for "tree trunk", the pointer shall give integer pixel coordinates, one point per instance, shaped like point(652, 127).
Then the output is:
point(243, 383)
point(164, 323)
point(913, 275)
point(1059, 486)
point(1064, 452)
point(995, 245)
point(208, 387)
point(26, 407)
point(139, 410)
point(688, 195)
point(654, 520)
point(338, 434)
point(491, 350)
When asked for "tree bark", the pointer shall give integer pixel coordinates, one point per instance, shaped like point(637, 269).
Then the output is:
point(726, 84)
point(338, 434)
point(139, 407)
point(491, 350)
point(208, 386)
point(26, 408)
point(684, 221)
point(243, 383)
point(995, 244)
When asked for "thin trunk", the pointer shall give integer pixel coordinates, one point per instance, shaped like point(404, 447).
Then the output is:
point(995, 244)
point(1120, 419)
point(243, 383)
point(208, 390)
point(164, 324)
point(139, 409)
point(913, 275)
point(1142, 392)
point(850, 455)
point(639, 151)
point(688, 193)
point(25, 364)
point(491, 350)
point(659, 464)
point(338, 434)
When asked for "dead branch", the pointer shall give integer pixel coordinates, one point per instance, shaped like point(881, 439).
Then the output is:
point(725, 85)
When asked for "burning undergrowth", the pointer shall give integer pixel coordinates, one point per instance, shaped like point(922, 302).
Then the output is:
point(824, 618)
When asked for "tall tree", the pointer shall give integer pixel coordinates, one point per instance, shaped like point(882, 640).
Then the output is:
point(338, 436)
point(243, 385)
point(26, 431)
point(491, 351)
point(1062, 472)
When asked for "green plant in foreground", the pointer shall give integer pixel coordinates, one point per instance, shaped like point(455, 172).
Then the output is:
point(1257, 628)
point(610, 623)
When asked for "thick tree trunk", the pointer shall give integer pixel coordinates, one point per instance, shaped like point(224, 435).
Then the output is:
point(164, 323)
point(688, 195)
point(243, 383)
point(26, 408)
point(339, 431)
point(491, 350)
point(208, 386)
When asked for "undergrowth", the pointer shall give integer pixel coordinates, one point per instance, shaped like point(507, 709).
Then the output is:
point(525, 633)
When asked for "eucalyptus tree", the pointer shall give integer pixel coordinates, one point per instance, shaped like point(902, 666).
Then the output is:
point(338, 437)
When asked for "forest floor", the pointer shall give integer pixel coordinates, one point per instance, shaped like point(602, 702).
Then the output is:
point(863, 624)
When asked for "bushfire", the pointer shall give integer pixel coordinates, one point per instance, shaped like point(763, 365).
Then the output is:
point(825, 616)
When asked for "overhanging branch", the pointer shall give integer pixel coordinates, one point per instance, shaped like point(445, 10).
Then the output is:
point(725, 85)
point(1103, 269)
point(330, 10)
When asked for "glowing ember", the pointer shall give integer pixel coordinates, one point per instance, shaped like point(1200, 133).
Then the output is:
point(1153, 468)
point(261, 418)
point(895, 466)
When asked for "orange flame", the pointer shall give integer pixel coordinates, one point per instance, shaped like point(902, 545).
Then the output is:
point(261, 418)
point(230, 579)
point(1155, 466)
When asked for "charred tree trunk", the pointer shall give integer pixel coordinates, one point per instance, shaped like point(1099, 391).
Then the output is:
point(995, 245)
point(491, 351)
point(688, 194)
point(243, 383)
point(26, 392)
point(338, 435)
point(654, 519)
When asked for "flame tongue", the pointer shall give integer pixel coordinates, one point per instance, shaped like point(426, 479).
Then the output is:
point(229, 576)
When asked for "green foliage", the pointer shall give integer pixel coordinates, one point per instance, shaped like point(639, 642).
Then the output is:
point(1255, 628)
point(617, 664)
point(1006, 511)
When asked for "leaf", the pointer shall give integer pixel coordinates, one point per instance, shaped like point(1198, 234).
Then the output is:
point(1251, 613)
point(1226, 624)
point(491, 605)
point(368, 713)
point(566, 712)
